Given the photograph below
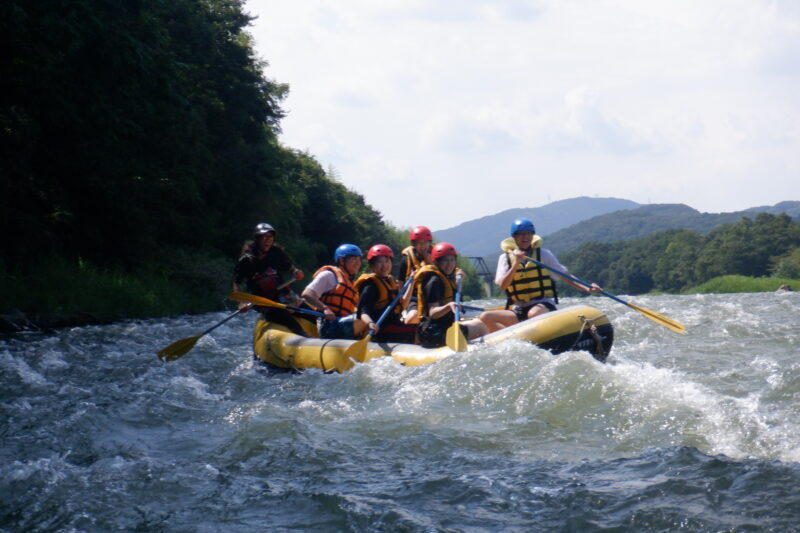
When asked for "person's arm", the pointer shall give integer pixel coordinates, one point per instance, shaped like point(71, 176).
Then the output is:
point(319, 286)
point(405, 299)
point(505, 273)
point(433, 293)
point(239, 275)
point(366, 305)
point(402, 268)
point(286, 264)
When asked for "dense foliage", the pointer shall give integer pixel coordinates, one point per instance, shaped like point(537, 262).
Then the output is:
point(647, 220)
point(675, 260)
point(139, 139)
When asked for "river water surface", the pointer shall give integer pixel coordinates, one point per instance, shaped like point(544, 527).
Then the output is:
point(675, 433)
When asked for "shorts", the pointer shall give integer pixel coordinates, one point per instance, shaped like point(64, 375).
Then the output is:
point(522, 312)
point(338, 328)
point(433, 334)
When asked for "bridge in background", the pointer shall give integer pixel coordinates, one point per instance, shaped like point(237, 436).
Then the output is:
point(483, 272)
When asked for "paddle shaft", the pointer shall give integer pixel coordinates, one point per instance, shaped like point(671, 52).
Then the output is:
point(284, 285)
point(218, 324)
point(576, 280)
point(458, 299)
point(394, 302)
point(179, 348)
point(454, 337)
point(667, 322)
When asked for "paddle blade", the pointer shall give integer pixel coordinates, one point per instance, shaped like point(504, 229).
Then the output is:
point(178, 349)
point(455, 338)
point(246, 297)
point(358, 350)
point(668, 323)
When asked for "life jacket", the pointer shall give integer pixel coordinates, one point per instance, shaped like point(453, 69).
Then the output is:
point(387, 290)
point(421, 278)
point(414, 261)
point(266, 283)
point(342, 298)
point(530, 281)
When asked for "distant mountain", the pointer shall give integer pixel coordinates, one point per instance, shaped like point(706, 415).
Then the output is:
point(482, 236)
point(649, 219)
point(790, 208)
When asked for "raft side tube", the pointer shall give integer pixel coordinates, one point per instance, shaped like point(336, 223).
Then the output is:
point(558, 331)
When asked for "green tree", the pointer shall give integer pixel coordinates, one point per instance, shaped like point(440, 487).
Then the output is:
point(786, 265)
point(674, 269)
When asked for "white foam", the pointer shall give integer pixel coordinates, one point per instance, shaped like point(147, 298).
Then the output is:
point(198, 389)
point(28, 375)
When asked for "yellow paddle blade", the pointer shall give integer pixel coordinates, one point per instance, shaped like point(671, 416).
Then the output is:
point(358, 350)
point(455, 338)
point(674, 325)
point(178, 349)
point(245, 297)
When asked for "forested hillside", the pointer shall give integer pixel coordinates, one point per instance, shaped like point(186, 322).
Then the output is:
point(138, 149)
point(649, 219)
point(676, 260)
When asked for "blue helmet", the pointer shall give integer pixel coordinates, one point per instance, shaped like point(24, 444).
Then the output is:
point(522, 224)
point(346, 250)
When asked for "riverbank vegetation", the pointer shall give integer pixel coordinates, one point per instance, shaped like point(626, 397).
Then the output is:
point(765, 248)
point(728, 284)
point(138, 149)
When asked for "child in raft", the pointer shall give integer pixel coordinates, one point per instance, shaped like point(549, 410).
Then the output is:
point(376, 291)
point(436, 286)
point(412, 258)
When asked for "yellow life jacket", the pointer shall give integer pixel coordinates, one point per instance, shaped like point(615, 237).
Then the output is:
point(530, 281)
point(421, 278)
point(413, 262)
point(342, 298)
point(387, 290)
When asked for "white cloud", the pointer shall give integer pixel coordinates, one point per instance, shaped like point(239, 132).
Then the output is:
point(500, 104)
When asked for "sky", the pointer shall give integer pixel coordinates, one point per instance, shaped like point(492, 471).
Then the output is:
point(439, 112)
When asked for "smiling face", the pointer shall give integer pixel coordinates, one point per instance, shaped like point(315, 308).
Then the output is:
point(523, 239)
point(381, 265)
point(351, 264)
point(447, 264)
point(422, 247)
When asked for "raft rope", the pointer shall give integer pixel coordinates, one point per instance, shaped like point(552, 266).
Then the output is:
point(588, 323)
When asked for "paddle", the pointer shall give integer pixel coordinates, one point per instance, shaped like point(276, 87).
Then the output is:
point(358, 349)
point(284, 285)
point(258, 300)
point(455, 337)
point(668, 323)
point(178, 349)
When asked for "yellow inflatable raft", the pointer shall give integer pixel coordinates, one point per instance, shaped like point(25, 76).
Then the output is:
point(577, 327)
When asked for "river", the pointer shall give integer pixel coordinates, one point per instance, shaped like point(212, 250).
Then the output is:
point(674, 433)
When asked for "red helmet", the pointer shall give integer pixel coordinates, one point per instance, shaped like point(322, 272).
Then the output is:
point(379, 250)
point(442, 249)
point(420, 233)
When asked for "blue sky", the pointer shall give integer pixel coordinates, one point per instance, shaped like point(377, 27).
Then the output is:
point(440, 112)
